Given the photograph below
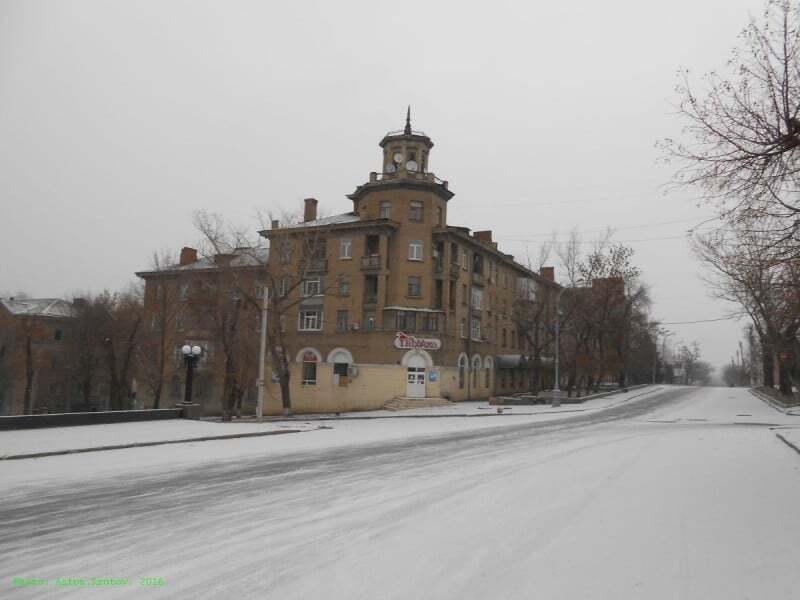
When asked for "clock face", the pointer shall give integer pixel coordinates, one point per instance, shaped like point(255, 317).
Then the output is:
point(398, 157)
point(411, 165)
point(390, 168)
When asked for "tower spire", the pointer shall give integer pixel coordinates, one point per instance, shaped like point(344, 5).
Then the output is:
point(407, 130)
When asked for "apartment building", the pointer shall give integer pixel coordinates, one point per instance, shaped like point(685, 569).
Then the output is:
point(396, 302)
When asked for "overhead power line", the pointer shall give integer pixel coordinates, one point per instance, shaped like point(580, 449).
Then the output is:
point(736, 316)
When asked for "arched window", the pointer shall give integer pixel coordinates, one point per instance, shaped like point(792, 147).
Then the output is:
point(309, 358)
point(462, 371)
point(487, 365)
point(476, 367)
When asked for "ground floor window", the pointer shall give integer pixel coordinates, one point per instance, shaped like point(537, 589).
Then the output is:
point(309, 369)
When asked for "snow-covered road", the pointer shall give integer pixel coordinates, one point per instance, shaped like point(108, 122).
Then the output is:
point(683, 493)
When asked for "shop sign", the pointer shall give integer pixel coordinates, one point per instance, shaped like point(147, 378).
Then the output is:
point(410, 342)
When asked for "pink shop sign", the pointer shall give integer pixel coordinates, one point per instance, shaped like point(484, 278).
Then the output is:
point(410, 342)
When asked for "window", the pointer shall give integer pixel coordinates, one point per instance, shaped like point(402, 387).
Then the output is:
point(475, 329)
point(309, 368)
point(503, 338)
point(513, 339)
point(341, 320)
point(58, 335)
point(183, 292)
point(462, 375)
point(260, 287)
point(477, 298)
point(464, 294)
point(179, 325)
point(285, 283)
point(285, 250)
point(454, 253)
point(452, 298)
point(430, 322)
point(386, 210)
point(311, 287)
point(406, 321)
point(476, 366)
point(415, 250)
point(345, 249)
point(344, 286)
point(414, 286)
point(488, 375)
point(415, 211)
point(369, 320)
point(310, 320)
point(439, 216)
point(464, 259)
point(463, 328)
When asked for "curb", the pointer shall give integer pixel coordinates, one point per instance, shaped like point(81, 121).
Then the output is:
point(207, 438)
point(787, 442)
point(768, 400)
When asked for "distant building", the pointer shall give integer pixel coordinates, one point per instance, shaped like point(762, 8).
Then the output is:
point(33, 341)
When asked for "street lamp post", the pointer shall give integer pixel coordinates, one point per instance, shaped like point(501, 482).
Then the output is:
point(191, 355)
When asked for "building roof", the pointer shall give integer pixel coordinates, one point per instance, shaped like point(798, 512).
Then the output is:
point(243, 257)
point(348, 217)
point(39, 307)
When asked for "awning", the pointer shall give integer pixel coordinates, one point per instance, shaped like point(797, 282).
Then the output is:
point(508, 361)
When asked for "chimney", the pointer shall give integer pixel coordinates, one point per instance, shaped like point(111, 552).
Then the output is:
point(484, 237)
point(310, 210)
point(188, 256)
point(548, 273)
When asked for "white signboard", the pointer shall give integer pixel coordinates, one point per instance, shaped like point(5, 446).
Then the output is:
point(410, 342)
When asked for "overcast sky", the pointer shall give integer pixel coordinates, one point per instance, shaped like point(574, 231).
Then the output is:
point(119, 119)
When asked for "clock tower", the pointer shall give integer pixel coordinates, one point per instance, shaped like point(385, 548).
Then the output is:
point(405, 150)
point(404, 167)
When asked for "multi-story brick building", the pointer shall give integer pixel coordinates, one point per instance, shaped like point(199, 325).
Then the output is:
point(33, 336)
point(395, 302)
point(210, 301)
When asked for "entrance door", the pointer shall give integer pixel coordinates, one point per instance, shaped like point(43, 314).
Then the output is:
point(415, 382)
point(415, 388)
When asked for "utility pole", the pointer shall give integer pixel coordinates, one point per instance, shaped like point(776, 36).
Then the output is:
point(262, 355)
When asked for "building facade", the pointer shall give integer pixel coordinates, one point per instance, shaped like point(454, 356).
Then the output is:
point(389, 300)
point(34, 340)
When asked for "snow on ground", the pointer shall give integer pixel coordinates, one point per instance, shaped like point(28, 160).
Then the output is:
point(680, 503)
point(316, 435)
point(29, 441)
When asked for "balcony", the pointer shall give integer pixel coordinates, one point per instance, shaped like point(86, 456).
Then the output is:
point(317, 265)
point(371, 263)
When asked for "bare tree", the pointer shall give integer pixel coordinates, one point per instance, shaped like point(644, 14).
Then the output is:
point(155, 364)
point(745, 266)
point(742, 131)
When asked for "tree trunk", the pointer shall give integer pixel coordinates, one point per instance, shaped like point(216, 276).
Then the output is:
point(768, 366)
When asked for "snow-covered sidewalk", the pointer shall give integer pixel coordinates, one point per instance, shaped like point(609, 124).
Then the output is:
point(142, 433)
point(88, 437)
